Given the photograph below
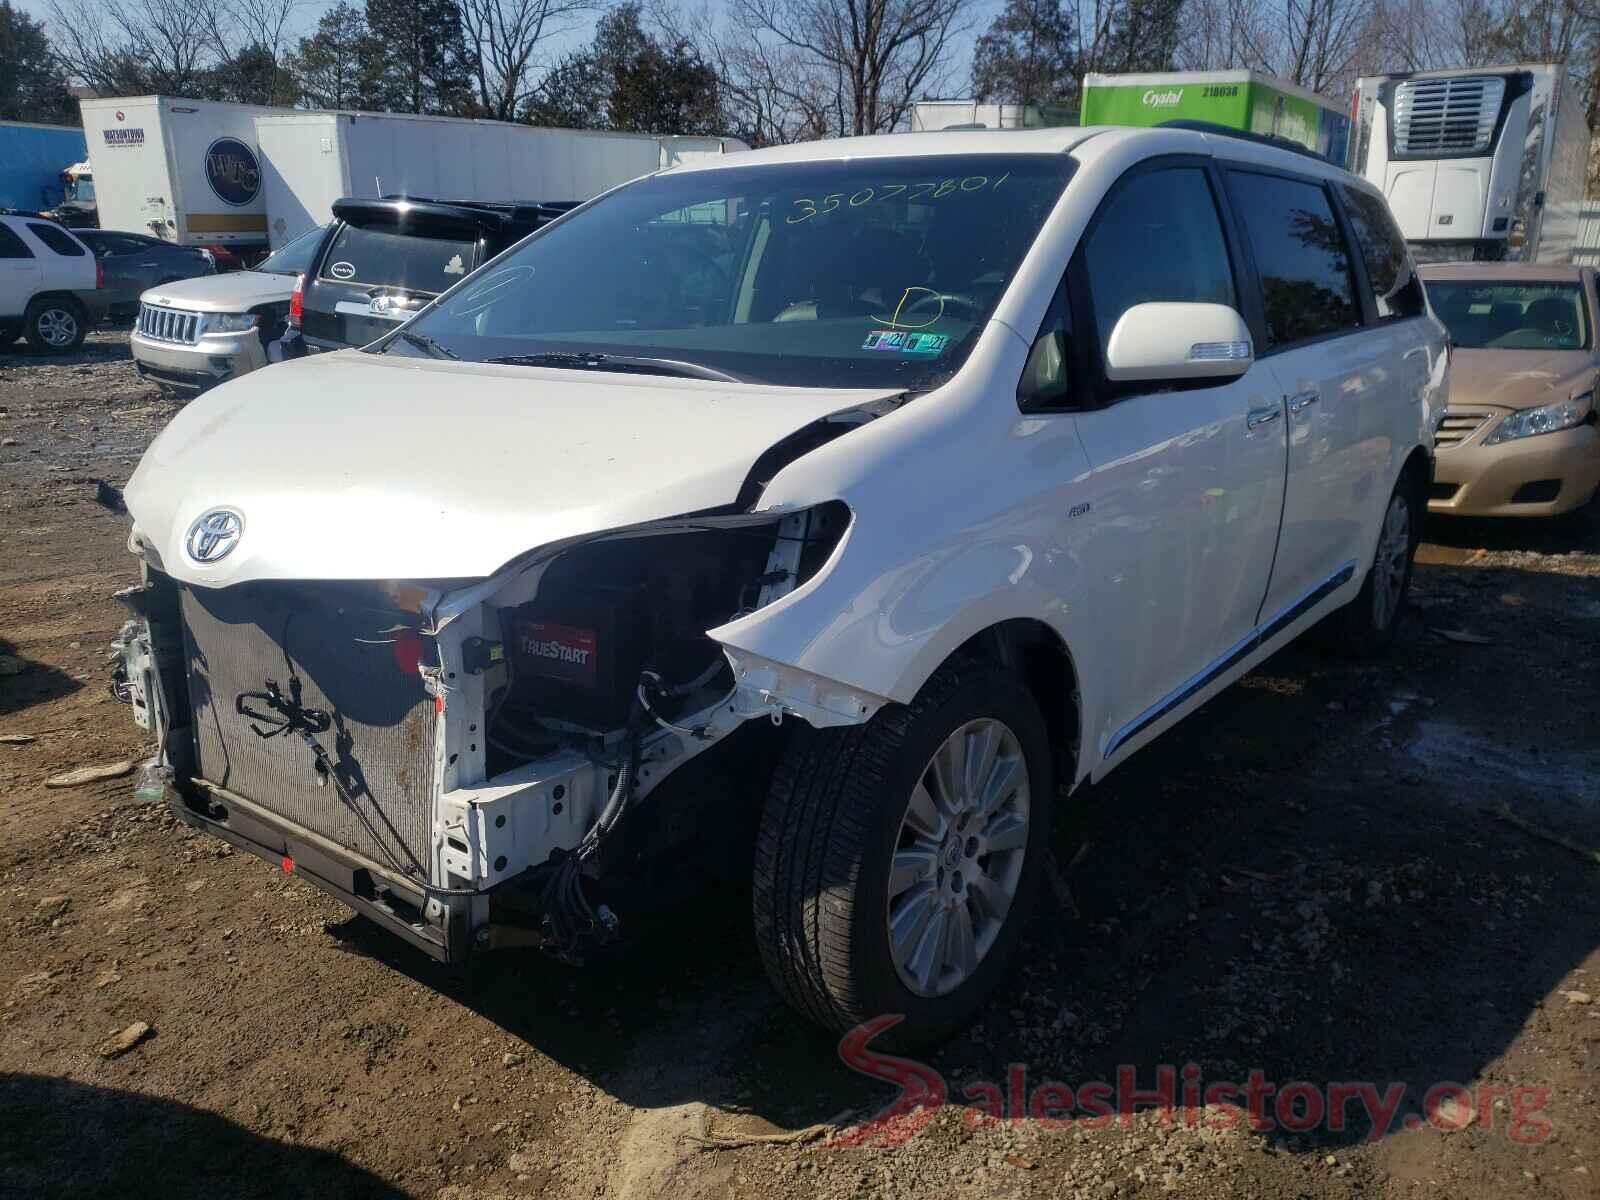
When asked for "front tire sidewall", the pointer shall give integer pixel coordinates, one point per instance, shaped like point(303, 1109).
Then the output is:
point(931, 1017)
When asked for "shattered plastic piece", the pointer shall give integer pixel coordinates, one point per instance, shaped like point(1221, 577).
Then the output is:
point(124, 1040)
point(90, 774)
point(1465, 638)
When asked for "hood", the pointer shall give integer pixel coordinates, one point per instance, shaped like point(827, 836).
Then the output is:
point(352, 466)
point(233, 292)
point(1518, 378)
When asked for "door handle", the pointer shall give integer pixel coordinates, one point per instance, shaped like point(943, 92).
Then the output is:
point(1262, 416)
point(1303, 400)
point(149, 264)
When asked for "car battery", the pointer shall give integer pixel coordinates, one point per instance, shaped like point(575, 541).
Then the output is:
point(576, 652)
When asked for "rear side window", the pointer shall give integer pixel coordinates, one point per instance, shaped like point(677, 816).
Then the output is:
point(1306, 281)
point(1157, 238)
point(11, 246)
point(56, 239)
point(375, 255)
point(1395, 287)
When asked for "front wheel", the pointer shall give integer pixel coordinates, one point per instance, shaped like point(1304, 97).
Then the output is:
point(897, 860)
point(1366, 626)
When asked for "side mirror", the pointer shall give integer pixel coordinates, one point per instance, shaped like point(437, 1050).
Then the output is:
point(1178, 341)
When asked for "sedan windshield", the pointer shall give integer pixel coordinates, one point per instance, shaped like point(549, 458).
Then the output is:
point(877, 272)
point(1496, 315)
point(294, 257)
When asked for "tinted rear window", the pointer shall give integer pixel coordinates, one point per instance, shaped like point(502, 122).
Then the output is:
point(56, 239)
point(1304, 263)
point(381, 256)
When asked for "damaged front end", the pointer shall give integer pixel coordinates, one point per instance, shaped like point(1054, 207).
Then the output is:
point(491, 763)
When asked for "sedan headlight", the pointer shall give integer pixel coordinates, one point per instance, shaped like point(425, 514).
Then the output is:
point(231, 322)
point(1547, 418)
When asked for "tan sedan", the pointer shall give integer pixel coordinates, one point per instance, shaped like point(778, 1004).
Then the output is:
point(1518, 438)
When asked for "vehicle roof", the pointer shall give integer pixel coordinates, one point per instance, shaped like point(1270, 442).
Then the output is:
point(1055, 140)
point(1510, 272)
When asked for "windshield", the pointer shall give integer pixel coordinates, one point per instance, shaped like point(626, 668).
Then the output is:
point(377, 254)
point(1485, 315)
point(81, 188)
point(293, 258)
point(877, 272)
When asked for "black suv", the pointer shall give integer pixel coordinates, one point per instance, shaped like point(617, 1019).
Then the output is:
point(385, 259)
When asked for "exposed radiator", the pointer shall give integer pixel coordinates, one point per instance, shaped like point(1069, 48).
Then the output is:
point(345, 657)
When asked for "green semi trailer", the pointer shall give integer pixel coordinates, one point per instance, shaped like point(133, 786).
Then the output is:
point(1246, 100)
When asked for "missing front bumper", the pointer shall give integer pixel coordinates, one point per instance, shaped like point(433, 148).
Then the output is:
point(440, 927)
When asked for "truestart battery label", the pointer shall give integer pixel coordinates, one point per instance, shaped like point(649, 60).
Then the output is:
point(562, 652)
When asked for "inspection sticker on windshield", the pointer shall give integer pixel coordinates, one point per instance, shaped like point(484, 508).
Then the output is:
point(901, 341)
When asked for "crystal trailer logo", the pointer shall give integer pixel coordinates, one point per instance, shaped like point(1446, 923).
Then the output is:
point(232, 171)
point(1159, 99)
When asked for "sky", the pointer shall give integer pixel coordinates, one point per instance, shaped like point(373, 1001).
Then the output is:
point(305, 20)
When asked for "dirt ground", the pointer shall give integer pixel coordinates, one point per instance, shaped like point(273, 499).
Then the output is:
point(1315, 879)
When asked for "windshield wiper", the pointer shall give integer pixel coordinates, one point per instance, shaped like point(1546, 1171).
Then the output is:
point(638, 364)
point(423, 342)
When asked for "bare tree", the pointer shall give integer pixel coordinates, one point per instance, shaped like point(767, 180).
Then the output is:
point(851, 66)
point(767, 99)
point(135, 45)
point(504, 36)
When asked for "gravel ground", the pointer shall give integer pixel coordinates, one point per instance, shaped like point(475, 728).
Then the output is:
point(1335, 873)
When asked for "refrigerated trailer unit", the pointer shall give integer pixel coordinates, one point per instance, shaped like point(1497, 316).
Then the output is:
point(1245, 100)
point(1486, 164)
point(311, 159)
point(185, 171)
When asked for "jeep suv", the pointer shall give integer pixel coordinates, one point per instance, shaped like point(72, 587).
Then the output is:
point(842, 506)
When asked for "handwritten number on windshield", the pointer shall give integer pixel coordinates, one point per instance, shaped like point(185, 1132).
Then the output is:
point(805, 207)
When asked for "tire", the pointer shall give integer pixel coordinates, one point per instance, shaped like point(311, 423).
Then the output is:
point(55, 326)
point(1366, 626)
point(839, 815)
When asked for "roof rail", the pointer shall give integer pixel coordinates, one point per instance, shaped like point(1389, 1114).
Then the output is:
point(1261, 139)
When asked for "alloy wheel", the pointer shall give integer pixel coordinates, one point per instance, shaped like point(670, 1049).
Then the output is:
point(57, 326)
point(958, 858)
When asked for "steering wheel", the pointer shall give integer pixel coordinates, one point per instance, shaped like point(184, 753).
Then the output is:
point(1528, 337)
point(956, 304)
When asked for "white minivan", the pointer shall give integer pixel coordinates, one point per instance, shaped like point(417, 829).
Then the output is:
point(833, 510)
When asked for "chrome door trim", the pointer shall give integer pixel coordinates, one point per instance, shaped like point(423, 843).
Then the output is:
point(1230, 657)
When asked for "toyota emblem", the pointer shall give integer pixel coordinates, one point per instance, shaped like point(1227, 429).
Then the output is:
point(213, 537)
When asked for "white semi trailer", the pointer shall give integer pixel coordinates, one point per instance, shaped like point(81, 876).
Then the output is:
point(186, 171)
point(311, 159)
point(1485, 163)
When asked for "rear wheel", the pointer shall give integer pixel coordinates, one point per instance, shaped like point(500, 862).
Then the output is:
point(897, 860)
point(54, 325)
point(1366, 626)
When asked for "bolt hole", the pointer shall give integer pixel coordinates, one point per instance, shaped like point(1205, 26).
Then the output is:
point(556, 808)
point(500, 821)
point(473, 747)
point(560, 792)
point(453, 758)
point(472, 729)
point(500, 863)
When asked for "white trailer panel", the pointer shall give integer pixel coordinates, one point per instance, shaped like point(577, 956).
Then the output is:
point(186, 171)
point(312, 159)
